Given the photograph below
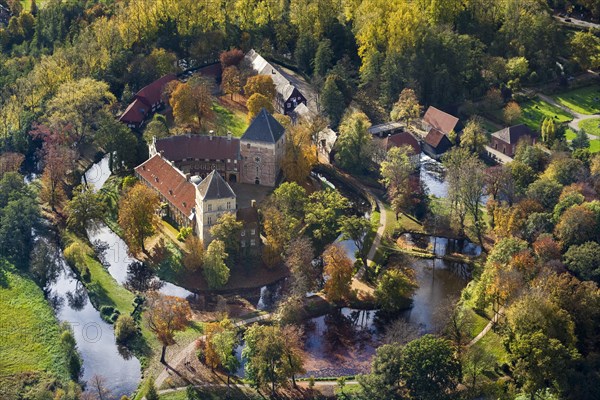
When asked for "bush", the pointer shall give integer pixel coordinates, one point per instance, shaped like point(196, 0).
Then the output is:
point(125, 328)
point(128, 182)
point(184, 232)
point(107, 311)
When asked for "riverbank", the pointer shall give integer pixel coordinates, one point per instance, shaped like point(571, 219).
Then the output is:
point(30, 336)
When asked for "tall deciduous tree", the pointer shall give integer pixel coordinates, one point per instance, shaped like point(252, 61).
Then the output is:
point(165, 316)
point(192, 102)
point(257, 102)
point(84, 208)
point(394, 290)
point(338, 269)
point(137, 216)
point(231, 58)
point(407, 108)
point(227, 230)
point(473, 136)
point(586, 49)
point(215, 270)
point(194, 256)
point(353, 144)
point(261, 84)
point(299, 259)
point(395, 172)
point(323, 212)
point(512, 112)
point(300, 154)
point(356, 228)
point(231, 81)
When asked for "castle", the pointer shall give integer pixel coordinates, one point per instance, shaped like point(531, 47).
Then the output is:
point(191, 174)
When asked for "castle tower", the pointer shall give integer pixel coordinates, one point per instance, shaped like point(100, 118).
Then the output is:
point(214, 197)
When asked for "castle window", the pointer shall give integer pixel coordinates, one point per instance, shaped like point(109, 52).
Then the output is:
point(243, 243)
point(228, 205)
point(210, 207)
point(248, 145)
point(252, 242)
point(209, 220)
point(257, 159)
point(253, 231)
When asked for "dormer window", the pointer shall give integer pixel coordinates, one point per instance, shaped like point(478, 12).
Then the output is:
point(171, 192)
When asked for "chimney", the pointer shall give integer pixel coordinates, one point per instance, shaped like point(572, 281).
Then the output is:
point(253, 203)
point(228, 135)
point(187, 176)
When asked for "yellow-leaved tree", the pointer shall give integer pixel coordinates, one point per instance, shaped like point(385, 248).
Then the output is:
point(137, 216)
point(300, 154)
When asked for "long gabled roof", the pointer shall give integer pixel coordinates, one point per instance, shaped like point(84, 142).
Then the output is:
point(214, 187)
point(170, 182)
point(263, 67)
point(440, 120)
point(264, 128)
point(179, 147)
point(152, 93)
point(513, 134)
point(135, 112)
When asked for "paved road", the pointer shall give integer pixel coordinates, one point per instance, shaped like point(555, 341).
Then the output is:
point(577, 22)
point(577, 117)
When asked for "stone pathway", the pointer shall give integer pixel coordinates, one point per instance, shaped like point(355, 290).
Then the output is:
point(487, 328)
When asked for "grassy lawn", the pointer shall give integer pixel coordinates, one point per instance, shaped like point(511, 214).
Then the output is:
point(216, 393)
point(102, 287)
point(30, 335)
point(229, 120)
point(591, 126)
point(534, 112)
point(581, 100)
point(594, 144)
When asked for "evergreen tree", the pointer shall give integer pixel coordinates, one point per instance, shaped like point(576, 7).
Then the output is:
point(581, 141)
point(323, 58)
point(332, 101)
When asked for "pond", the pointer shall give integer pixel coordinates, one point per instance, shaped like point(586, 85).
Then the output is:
point(433, 178)
point(443, 246)
point(339, 343)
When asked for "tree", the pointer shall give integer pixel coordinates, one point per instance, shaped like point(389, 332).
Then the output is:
point(194, 256)
point(323, 211)
point(586, 49)
point(137, 216)
point(98, 386)
point(84, 208)
point(548, 131)
point(79, 106)
point(151, 393)
point(545, 191)
point(231, 81)
point(231, 58)
point(338, 269)
point(394, 290)
point(299, 259)
point(512, 112)
point(291, 199)
point(395, 172)
point(277, 231)
point(581, 140)
point(165, 316)
point(429, 369)
point(157, 128)
point(300, 154)
point(384, 381)
point(577, 225)
point(407, 108)
point(473, 136)
point(227, 230)
point(125, 328)
point(44, 264)
point(324, 58)
point(273, 355)
point(257, 102)
point(356, 228)
point(215, 270)
point(192, 102)
point(141, 278)
point(260, 84)
point(565, 170)
point(58, 162)
point(331, 100)
point(583, 260)
point(10, 162)
point(120, 143)
point(353, 143)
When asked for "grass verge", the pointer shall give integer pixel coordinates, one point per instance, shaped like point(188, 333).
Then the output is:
point(30, 345)
point(535, 111)
point(584, 100)
point(591, 126)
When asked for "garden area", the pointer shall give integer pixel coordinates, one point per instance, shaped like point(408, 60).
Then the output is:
point(584, 100)
point(591, 126)
point(230, 116)
point(536, 110)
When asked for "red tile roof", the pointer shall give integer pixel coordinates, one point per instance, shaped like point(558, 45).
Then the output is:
point(152, 93)
point(440, 120)
point(177, 148)
point(403, 139)
point(169, 182)
point(434, 137)
point(135, 113)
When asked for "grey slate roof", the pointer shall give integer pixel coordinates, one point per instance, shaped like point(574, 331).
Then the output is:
point(214, 187)
point(262, 67)
point(264, 128)
point(512, 134)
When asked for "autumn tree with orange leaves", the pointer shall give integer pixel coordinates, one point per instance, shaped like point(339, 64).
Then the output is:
point(165, 316)
point(338, 268)
point(300, 154)
point(192, 102)
point(137, 216)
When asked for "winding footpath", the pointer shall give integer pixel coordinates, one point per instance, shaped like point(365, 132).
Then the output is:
point(578, 117)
